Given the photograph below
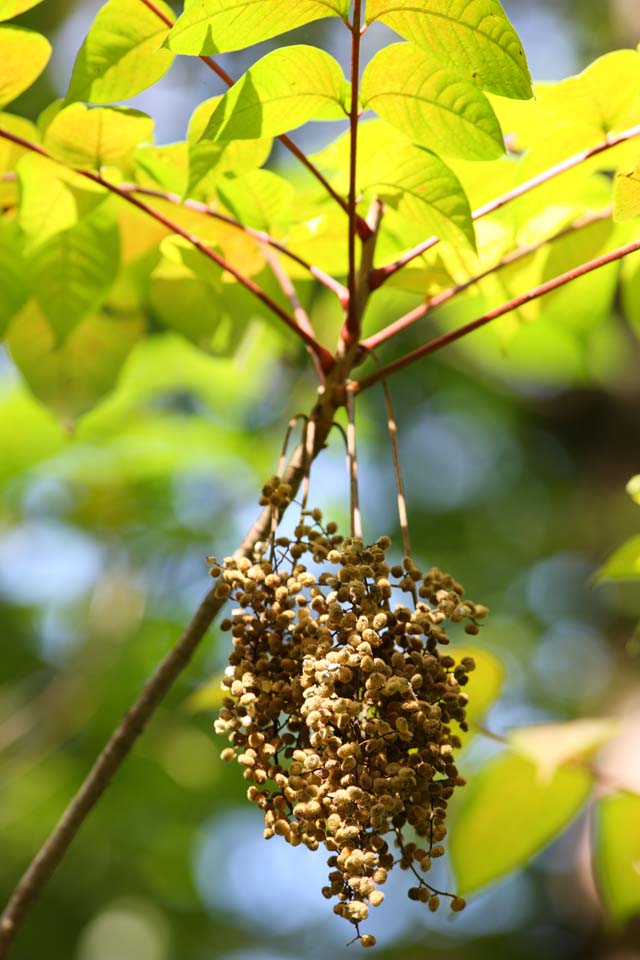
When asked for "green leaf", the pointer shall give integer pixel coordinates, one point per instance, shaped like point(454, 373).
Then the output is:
point(183, 301)
point(13, 287)
point(123, 53)
point(283, 90)
point(617, 855)
point(633, 488)
point(506, 814)
point(431, 103)
point(71, 377)
point(549, 745)
point(624, 564)
point(485, 682)
point(166, 167)
point(52, 198)
point(11, 8)
point(71, 273)
point(260, 199)
point(94, 137)
point(218, 26)
point(23, 56)
point(627, 195)
point(472, 36)
point(423, 189)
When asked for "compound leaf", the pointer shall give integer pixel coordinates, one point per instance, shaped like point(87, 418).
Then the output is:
point(218, 26)
point(283, 90)
point(122, 53)
point(506, 814)
point(431, 103)
point(472, 36)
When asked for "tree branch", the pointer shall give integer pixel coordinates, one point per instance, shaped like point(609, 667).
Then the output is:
point(198, 207)
point(351, 329)
point(322, 353)
point(446, 338)
point(382, 274)
point(283, 138)
point(35, 878)
point(418, 312)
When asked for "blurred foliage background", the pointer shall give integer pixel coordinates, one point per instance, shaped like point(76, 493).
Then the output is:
point(516, 486)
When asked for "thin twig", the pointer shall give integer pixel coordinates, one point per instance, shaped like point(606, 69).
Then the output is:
point(35, 878)
point(381, 274)
point(260, 235)
point(322, 353)
point(439, 298)
point(446, 338)
point(283, 138)
point(352, 325)
point(352, 466)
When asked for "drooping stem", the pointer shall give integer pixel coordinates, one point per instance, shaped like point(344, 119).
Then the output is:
point(351, 330)
point(44, 864)
point(421, 311)
point(324, 357)
point(381, 274)
point(446, 338)
point(286, 141)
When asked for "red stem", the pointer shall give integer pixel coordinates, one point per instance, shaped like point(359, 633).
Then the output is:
point(351, 329)
point(418, 312)
point(382, 274)
point(326, 359)
point(283, 138)
point(446, 338)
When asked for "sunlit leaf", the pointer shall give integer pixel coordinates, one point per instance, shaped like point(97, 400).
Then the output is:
point(11, 8)
point(13, 286)
point(617, 855)
point(633, 488)
point(549, 745)
point(283, 90)
point(186, 302)
point(506, 814)
point(52, 198)
point(260, 199)
point(72, 272)
point(122, 54)
point(23, 56)
point(218, 26)
point(473, 36)
point(71, 377)
point(166, 167)
point(627, 195)
point(624, 564)
point(431, 103)
point(422, 188)
point(10, 153)
point(94, 137)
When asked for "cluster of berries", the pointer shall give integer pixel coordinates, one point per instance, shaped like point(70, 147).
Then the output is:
point(340, 704)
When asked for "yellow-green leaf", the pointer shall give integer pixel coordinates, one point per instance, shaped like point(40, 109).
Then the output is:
point(94, 137)
point(52, 198)
point(549, 745)
point(218, 26)
point(624, 564)
point(11, 8)
point(633, 488)
point(71, 377)
point(23, 56)
point(207, 697)
point(506, 814)
point(617, 855)
point(260, 199)
point(472, 36)
point(627, 195)
point(13, 285)
point(283, 90)
point(123, 53)
point(431, 103)
point(185, 302)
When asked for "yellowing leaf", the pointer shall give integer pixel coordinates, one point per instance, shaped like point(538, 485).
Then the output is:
point(472, 36)
point(617, 855)
point(506, 814)
point(283, 90)
point(94, 137)
point(122, 54)
point(549, 745)
point(624, 564)
point(431, 103)
point(627, 195)
point(23, 56)
point(218, 26)
point(71, 377)
point(11, 8)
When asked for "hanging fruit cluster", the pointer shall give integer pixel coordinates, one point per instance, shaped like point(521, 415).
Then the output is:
point(341, 704)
